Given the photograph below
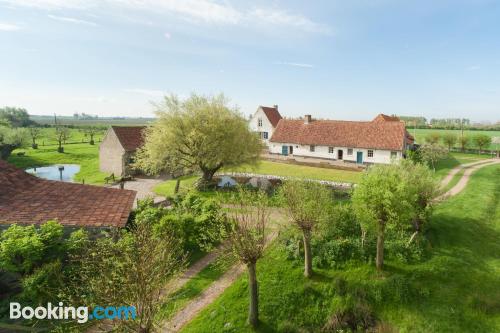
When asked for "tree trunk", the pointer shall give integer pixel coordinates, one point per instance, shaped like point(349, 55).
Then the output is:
point(253, 310)
point(6, 150)
point(307, 254)
point(380, 250)
point(177, 185)
point(208, 174)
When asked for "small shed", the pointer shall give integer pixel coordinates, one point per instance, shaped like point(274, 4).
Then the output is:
point(118, 147)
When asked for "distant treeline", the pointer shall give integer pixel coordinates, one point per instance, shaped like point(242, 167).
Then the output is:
point(87, 120)
point(447, 123)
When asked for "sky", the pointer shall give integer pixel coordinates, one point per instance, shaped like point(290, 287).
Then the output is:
point(333, 59)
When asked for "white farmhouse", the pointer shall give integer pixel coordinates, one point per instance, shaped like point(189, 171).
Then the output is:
point(363, 142)
point(264, 121)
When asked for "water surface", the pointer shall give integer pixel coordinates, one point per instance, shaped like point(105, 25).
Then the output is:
point(52, 172)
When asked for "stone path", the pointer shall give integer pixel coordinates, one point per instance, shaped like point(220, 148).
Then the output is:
point(209, 295)
point(144, 188)
point(462, 183)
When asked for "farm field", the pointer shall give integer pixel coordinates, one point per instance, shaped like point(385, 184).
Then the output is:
point(421, 133)
point(68, 120)
point(455, 289)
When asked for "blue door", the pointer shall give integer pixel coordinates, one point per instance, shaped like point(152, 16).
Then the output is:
point(284, 150)
point(359, 157)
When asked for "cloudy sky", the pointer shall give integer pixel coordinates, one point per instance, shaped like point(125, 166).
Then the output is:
point(336, 59)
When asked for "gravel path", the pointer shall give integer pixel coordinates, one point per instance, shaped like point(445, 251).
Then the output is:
point(144, 188)
point(210, 294)
point(462, 183)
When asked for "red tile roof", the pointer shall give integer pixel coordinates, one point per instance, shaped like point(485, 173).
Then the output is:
point(384, 117)
point(272, 114)
point(130, 137)
point(26, 199)
point(388, 135)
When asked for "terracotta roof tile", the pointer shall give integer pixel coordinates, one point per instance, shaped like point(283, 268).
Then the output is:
point(384, 117)
point(272, 114)
point(130, 137)
point(26, 199)
point(389, 135)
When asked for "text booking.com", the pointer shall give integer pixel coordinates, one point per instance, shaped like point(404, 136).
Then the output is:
point(81, 314)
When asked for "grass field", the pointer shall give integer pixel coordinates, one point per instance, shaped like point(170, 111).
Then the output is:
point(77, 150)
point(421, 133)
point(457, 289)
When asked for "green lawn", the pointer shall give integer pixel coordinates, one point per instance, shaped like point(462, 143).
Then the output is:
point(421, 133)
point(293, 170)
point(457, 289)
point(443, 167)
point(83, 154)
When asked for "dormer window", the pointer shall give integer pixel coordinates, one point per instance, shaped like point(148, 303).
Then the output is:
point(259, 122)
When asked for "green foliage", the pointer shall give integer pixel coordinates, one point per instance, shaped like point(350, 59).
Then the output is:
point(198, 134)
point(198, 223)
point(431, 153)
point(16, 117)
point(481, 141)
point(21, 249)
point(10, 139)
point(433, 138)
point(449, 139)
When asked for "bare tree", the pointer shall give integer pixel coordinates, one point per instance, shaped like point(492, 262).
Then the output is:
point(62, 134)
point(247, 239)
point(35, 133)
point(306, 203)
point(91, 131)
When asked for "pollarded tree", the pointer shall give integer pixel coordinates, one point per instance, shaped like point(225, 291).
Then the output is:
point(464, 142)
point(449, 139)
point(306, 202)
point(35, 133)
point(432, 138)
point(481, 141)
point(381, 198)
point(247, 240)
point(90, 132)
point(425, 187)
point(61, 135)
point(432, 153)
point(10, 139)
point(198, 134)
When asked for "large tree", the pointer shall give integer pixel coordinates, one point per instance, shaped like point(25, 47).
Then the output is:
point(381, 198)
point(306, 203)
point(481, 141)
point(17, 117)
point(198, 134)
point(247, 240)
point(10, 139)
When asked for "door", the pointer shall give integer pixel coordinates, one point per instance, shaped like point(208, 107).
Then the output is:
point(359, 157)
point(290, 150)
point(340, 154)
point(284, 150)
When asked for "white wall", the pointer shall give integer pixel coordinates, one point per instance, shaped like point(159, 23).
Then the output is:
point(379, 156)
point(111, 154)
point(266, 125)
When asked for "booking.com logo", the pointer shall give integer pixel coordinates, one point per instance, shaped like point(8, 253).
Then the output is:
point(80, 314)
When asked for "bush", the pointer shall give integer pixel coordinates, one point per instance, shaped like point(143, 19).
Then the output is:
point(341, 240)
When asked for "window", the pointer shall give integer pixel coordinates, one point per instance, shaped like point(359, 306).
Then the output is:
point(259, 122)
point(265, 135)
point(312, 148)
point(330, 150)
point(394, 154)
point(349, 151)
point(370, 153)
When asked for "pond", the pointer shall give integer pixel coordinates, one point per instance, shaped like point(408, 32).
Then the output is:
point(53, 172)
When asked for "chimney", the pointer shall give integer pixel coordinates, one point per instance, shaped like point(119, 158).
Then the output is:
point(307, 119)
point(276, 106)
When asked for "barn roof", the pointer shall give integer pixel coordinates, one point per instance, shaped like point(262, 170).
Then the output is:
point(130, 137)
point(389, 135)
point(272, 114)
point(26, 199)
